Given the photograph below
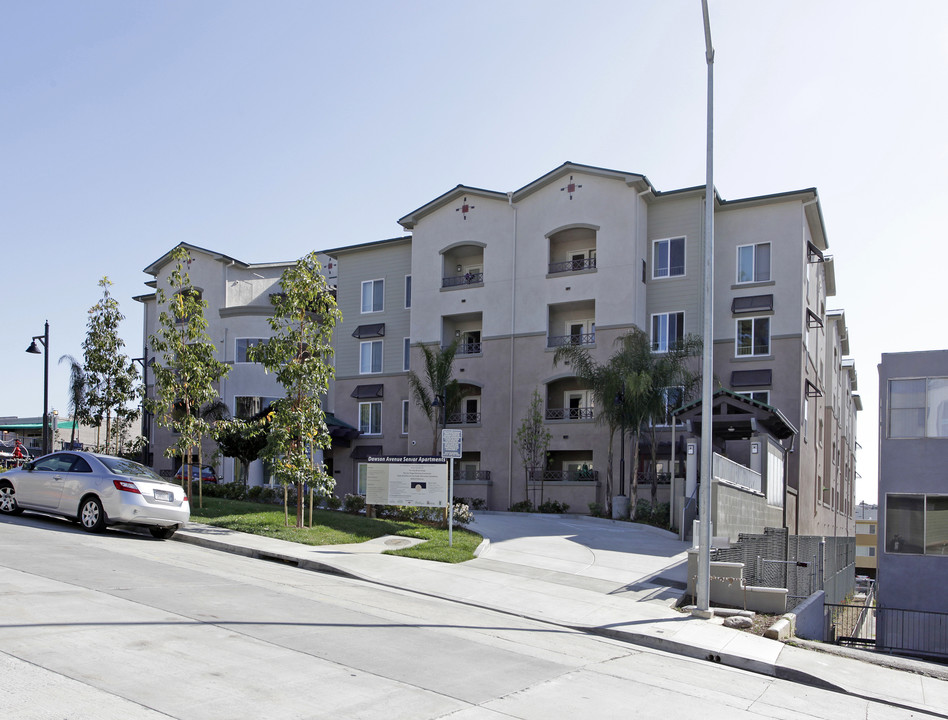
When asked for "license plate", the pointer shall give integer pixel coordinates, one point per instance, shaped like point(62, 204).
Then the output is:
point(164, 495)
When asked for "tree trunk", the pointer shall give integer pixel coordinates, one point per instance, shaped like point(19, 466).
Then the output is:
point(634, 481)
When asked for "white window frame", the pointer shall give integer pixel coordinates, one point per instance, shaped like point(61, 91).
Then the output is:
point(753, 333)
point(237, 360)
point(375, 412)
point(755, 270)
point(663, 348)
point(362, 357)
point(751, 393)
point(362, 475)
point(656, 250)
point(372, 291)
point(408, 292)
point(406, 409)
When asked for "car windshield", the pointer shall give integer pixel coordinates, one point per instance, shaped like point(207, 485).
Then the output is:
point(121, 466)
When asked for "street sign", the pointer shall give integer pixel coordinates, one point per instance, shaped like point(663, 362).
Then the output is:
point(451, 444)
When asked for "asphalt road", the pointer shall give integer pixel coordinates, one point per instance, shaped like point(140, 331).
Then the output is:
point(124, 626)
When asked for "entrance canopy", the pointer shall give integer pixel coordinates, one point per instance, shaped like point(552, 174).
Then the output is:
point(736, 417)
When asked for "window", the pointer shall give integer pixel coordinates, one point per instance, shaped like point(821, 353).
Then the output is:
point(865, 551)
point(407, 291)
point(753, 263)
point(240, 354)
point(245, 407)
point(668, 258)
point(916, 524)
point(370, 418)
point(370, 357)
point(373, 292)
point(758, 395)
point(672, 399)
point(753, 336)
point(406, 354)
point(668, 329)
point(912, 401)
point(405, 409)
point(363, 478)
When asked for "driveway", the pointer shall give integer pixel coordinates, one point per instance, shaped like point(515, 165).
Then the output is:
point(591, 553)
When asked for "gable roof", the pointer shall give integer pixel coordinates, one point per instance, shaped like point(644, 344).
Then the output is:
point(730, 410)
point(155, 267)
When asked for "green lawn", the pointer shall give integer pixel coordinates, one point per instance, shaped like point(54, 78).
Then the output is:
point(335, 528)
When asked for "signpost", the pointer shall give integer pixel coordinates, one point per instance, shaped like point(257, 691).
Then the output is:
point(451, 450)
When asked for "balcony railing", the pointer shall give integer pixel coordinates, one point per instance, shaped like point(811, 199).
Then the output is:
point(472, 475)
point(464, 418)
point(555, 341)
point(468, 348)
point(583, 413)
point(581, 475)
point(465, 279)
point(573, 266)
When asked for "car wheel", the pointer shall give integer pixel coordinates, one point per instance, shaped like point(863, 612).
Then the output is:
point(8, 504)
point(162, 533)
point(91, 515)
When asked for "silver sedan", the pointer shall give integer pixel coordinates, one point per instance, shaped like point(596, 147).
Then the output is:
point(96, 490)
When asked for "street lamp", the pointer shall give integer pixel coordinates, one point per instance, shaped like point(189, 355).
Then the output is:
point(33, 349)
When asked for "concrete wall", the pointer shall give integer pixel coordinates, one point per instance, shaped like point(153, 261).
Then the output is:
point(735, 510)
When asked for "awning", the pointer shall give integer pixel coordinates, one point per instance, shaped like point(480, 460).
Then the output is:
point(13, 427)
point(751, 378)
point(752, 303)
point(368, 391)
point(368, 331)
point(340, 430)
point(364, 452)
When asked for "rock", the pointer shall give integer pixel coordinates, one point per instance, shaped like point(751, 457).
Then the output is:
point(738, 621)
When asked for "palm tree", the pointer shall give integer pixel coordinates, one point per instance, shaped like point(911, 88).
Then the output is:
point(435, 388)
point(77, 393)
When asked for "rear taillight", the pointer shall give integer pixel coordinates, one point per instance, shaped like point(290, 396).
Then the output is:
point(185, 499)
point(126, 486)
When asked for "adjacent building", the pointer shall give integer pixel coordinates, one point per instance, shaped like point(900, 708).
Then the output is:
point(912, 550)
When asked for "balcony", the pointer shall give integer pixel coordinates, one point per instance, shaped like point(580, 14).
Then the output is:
point(580, 475)
point(578, 338)
point(464, 418)
point(572, 265)
point(472, 476)
point(571, 413)
point(470, 278)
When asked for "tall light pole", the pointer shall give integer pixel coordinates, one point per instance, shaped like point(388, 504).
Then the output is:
point(34, 350)
point(703, 589)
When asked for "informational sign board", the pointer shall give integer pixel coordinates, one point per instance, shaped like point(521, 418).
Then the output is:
point(451, 444)
point(414, 481)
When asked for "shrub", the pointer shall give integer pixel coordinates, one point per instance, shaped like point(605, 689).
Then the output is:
point(553, 507)
point(333, 502)
point(522, 506)
point(354, 503)
point(658, 516)
point(596, 509)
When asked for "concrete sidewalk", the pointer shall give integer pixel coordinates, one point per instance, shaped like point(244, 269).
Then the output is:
point(579, 597)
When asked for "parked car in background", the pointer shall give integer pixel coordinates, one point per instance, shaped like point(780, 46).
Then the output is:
point(97, 491)
point(207, 474)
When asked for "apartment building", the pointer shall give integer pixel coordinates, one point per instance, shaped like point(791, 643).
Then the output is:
point(580, 256)
point(912, 550)
point(867, 538)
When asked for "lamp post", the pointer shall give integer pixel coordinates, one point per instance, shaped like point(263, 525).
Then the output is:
point(34, 350)
point(143, 361)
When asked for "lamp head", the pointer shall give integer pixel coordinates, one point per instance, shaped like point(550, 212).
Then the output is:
point(34, 349)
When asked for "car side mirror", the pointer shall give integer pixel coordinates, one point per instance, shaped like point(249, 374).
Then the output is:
point(28, 466)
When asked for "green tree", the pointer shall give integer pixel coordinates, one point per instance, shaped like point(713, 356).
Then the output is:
point(77, 394)
point(436, 382)
point(242, 439)
point(533, 442)
point(300, 354)
point(185, 368)
point(111, 378)
point(605, 384)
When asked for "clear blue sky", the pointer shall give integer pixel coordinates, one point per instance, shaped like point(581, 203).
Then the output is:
point(265, 130)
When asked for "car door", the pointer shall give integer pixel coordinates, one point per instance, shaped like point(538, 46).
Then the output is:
point(79, 479)
point(43, 485)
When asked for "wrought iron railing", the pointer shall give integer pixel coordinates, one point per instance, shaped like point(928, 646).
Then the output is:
point(581, 475)
point(464, 418)
point(472, 475)
point(468, 348)
point(573, 266)
point(576, 339)
point(465, 279)
point(583, 413)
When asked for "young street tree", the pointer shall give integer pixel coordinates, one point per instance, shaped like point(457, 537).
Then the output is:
point(436, 383)
point(300, 354)
point(111, 378)
point(185, 368)
point(242, 439)
point(533, 442)
point(77, 395)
